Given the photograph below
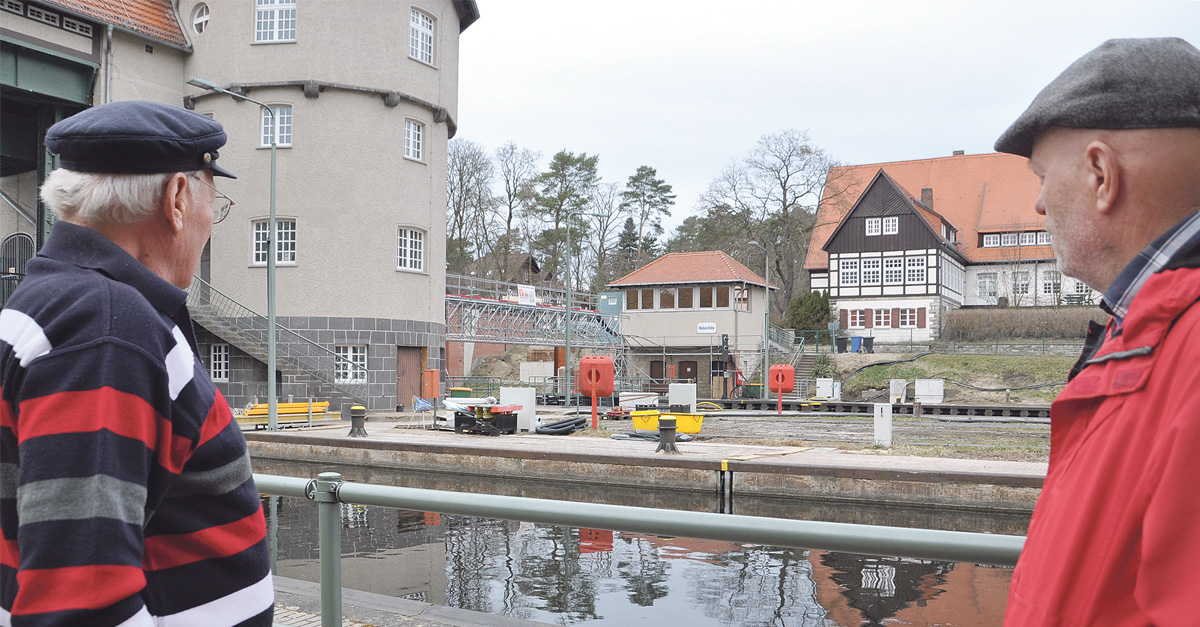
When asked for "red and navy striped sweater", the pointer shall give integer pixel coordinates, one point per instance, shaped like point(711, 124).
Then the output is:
point(126, 495)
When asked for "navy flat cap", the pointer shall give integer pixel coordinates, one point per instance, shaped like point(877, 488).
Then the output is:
point(1123, 84)
point(137, 137)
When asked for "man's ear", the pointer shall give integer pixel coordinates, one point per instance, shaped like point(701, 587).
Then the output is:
point(1104, 174)
point(176, 201)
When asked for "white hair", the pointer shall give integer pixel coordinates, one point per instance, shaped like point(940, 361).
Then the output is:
point(104, 198)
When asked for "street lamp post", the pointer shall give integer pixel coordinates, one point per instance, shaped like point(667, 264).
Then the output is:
point(766, 318)
point(272, 392)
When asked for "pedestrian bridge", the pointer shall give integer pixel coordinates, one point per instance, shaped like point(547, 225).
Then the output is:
point(480, 310)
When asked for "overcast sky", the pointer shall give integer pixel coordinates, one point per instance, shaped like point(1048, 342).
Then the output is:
point(687, 87)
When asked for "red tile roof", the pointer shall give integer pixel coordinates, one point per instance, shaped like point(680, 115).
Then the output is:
point(712, 266)
point(155, 19)
point(988, 193)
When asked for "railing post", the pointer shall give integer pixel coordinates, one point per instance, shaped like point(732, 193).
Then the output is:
point(329, 529)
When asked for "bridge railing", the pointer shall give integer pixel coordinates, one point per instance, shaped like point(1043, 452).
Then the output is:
point(459, 285)
point(329, 491)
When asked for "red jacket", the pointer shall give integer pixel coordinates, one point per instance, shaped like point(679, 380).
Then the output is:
point(1115, 536)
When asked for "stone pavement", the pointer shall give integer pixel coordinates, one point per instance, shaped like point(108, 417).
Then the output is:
point(298, 604)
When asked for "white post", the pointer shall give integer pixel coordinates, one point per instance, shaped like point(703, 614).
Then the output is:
point(883, 424)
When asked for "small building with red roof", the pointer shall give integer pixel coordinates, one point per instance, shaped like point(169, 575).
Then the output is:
point(694, 316)
point(897, 245)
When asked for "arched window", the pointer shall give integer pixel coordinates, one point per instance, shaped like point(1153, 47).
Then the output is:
point(15, 253)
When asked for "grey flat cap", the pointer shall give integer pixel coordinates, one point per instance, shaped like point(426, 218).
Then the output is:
point(1123, 84)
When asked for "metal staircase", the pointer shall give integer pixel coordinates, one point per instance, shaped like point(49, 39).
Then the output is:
point(299, 358)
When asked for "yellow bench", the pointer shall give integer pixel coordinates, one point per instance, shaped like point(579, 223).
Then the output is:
point(288, 409)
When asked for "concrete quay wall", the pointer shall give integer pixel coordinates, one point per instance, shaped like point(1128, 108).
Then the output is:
point(811, 474)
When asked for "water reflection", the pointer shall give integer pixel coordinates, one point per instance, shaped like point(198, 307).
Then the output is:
point(598, 577)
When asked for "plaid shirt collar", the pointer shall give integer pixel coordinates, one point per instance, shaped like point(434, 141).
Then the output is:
point(1153, 258)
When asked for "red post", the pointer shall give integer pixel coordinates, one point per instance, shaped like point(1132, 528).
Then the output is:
point(595, 378)
point(782, 379)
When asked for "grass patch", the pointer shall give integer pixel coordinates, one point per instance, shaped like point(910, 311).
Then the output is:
point(965, 373)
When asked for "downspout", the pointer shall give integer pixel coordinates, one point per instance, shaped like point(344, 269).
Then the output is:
point(108, 35)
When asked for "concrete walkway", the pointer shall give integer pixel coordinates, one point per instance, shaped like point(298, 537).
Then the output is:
point(297, 604)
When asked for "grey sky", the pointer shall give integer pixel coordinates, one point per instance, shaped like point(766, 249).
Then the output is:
point(688, 87)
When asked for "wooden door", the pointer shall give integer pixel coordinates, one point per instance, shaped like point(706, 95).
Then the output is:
point(688, 370)
point(656, 370)
point(408, 374)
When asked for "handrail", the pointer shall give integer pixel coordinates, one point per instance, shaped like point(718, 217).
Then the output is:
point(330, 491)
point(299, 351)
point(16, 207)
point(460, 285)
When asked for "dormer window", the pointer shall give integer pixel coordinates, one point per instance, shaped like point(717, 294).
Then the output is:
point(873, 226)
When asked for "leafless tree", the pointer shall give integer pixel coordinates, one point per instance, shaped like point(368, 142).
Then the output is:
point(469, 203)
point(517, 170)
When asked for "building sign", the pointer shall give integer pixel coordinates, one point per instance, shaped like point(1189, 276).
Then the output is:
point(706, 327)
point(526, 295)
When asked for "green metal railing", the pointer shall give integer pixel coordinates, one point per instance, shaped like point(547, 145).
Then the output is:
point(329, 491)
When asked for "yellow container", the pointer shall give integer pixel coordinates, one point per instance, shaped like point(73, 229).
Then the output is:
point(684, 423)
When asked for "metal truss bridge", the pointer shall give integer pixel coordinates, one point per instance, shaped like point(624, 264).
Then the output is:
point(489, 312)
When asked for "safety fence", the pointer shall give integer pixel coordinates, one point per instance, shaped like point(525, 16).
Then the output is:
point(329, 491)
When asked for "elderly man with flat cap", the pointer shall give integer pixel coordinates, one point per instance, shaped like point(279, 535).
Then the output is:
point(126, 495)
point(1115, 536)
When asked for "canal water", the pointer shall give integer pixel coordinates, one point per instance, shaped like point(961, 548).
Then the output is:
point(567, 576)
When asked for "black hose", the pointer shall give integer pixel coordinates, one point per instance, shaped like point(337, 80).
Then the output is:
point(563, 427)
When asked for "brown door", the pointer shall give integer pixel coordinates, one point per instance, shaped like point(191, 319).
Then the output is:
point(656, 370)
point(687, 370)
point(408, 374)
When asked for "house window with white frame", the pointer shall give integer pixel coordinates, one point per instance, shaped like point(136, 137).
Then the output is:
point(285, 248)
point(849, 272)
point(1044, 239)
point(420, 40)
point(873, 226)
point(883, 318)
point(908, 318)
point(1051, 282)
point(200, 18)
point(987, 285)
point(857, 319)
point(283, 124)
point(274, 21)
point(414, 139)
point(351, 363)
point(218, 362)
point(893, 271)
point(1029, 238)
point(411, 250)
point(991, 240)
point(1082, 288)
point(1008, 239)
point(914, 270)
point(870, 271)
point(891, 226)
point(1021, 283)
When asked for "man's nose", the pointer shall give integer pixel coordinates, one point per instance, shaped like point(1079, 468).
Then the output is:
point(1040, 206)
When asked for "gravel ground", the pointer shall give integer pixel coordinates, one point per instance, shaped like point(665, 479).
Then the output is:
point(1016, 441)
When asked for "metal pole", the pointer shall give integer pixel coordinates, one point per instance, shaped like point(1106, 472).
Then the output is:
point(272, 392)
point(767, 323)
point(567, 339)
point(329, 528)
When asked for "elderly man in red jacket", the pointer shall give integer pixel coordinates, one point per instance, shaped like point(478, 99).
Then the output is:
point(1115, 537)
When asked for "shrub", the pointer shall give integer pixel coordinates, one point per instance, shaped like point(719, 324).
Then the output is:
point(986, 323)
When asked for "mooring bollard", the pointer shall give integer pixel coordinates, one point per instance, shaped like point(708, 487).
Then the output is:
point(329, 531)
point(358, 421)
point(666, 435)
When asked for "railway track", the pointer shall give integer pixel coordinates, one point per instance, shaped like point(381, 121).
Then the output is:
point(949, 411)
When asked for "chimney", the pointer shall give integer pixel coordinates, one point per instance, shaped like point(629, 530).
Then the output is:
point(958, 153)
point(927, 197)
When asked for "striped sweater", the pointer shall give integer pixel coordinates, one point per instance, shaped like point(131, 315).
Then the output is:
point(126, 495)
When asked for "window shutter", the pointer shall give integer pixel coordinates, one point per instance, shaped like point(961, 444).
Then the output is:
point(844, 316)
point(870, 315)
point(895, 317)
point(921, 318)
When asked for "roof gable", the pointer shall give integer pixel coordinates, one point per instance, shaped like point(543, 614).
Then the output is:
point(712, 266)
point(973, 193)
point(896, 202)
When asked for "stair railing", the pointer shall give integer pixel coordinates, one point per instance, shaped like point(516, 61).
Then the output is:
point(232, 320)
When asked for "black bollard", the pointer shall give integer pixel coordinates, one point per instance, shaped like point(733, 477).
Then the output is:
point(358, 420)
point(666, 435)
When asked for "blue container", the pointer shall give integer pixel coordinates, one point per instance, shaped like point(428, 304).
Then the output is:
point(855, 344)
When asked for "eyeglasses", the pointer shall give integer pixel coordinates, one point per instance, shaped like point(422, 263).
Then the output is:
point(220, 204)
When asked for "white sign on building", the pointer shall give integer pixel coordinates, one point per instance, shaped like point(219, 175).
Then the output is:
point(706, 327)
point(526, 295)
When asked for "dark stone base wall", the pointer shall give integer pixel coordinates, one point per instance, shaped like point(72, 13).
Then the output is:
point(248, 375)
